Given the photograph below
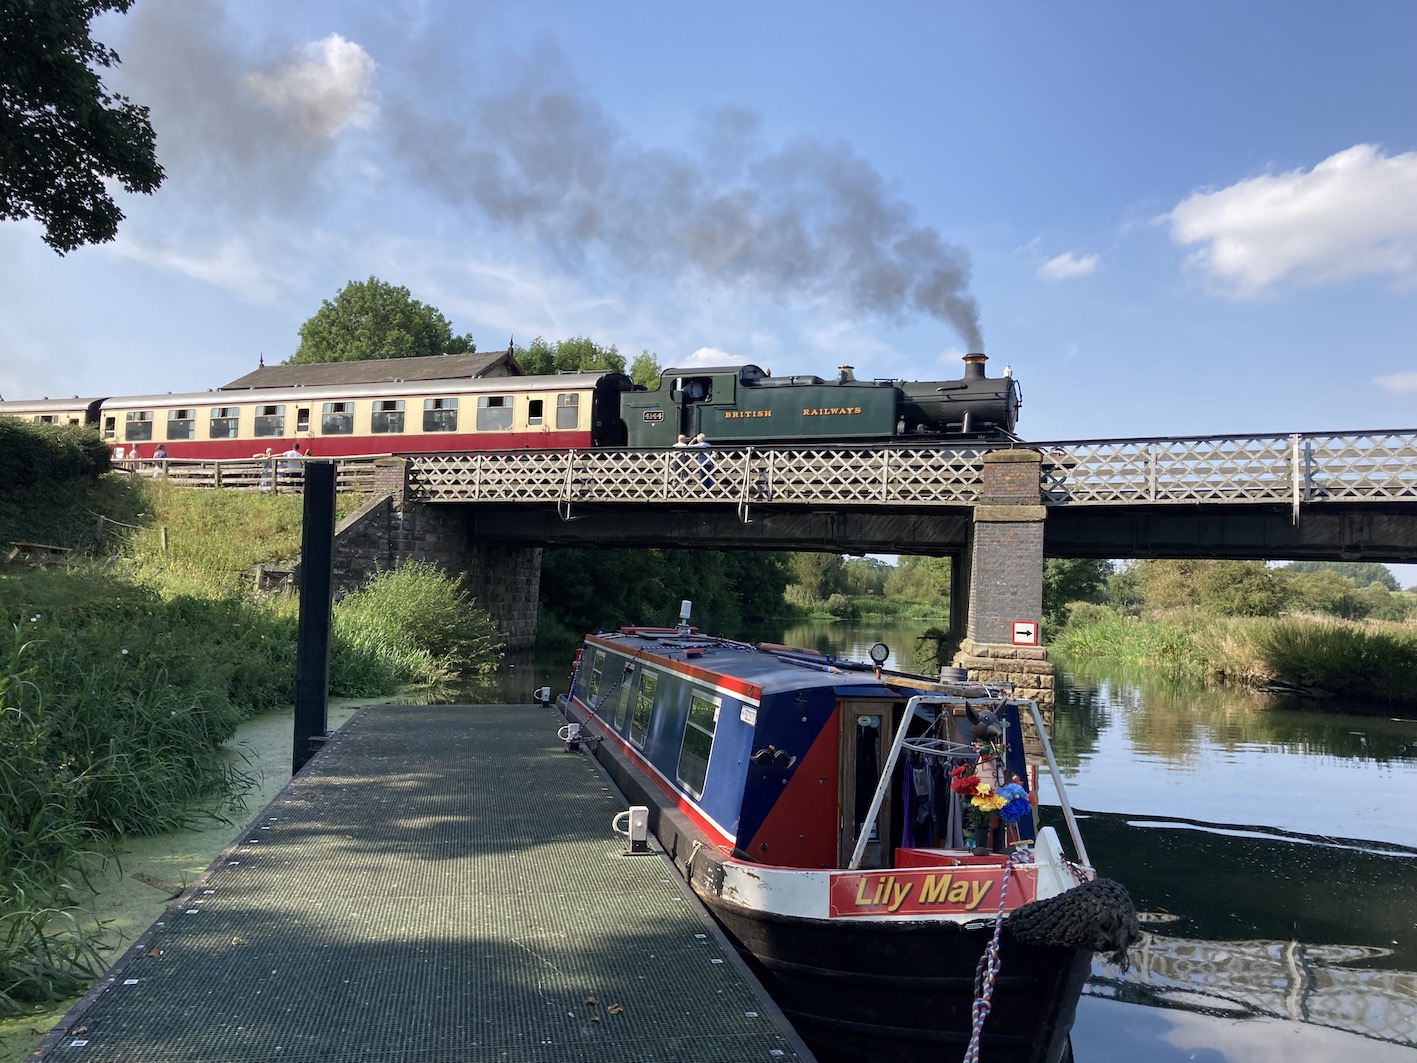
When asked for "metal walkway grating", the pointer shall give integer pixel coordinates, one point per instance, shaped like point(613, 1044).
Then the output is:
point(439, 884)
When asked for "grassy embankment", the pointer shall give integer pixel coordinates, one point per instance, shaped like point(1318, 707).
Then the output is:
point(123, 672)
point(1371, 660)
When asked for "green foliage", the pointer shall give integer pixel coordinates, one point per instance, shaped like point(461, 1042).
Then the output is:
point(587, 589)
point(865, 577)
point(33, 454)
point(373, 319)
point(1360, 573)
point(420, 623)
point(923, 580)
point(1353, 659)
point(543, 358)
point(1220, 588)
point(1323, 590)
point(645, 370)
point(817, 575)
point(1067, 580)
point(62, 135)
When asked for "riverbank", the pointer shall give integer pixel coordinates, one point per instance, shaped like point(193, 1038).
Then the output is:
point(144, 875)
point(1312, 656)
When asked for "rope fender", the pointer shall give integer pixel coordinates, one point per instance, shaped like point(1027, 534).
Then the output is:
point(1097, 915)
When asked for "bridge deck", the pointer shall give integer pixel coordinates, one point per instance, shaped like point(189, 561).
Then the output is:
point(439, 883)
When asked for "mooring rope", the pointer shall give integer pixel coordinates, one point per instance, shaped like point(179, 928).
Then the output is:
point(988, 970)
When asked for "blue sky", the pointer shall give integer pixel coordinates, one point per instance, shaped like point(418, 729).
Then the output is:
point(1172, 219)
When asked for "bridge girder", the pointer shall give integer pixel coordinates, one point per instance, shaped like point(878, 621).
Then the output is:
point(1332, 532)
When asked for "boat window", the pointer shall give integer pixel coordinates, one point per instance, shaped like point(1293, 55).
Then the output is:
point(180, 423)
point(387, 416)
point(226, 420)
point(440, 415)
point(138, 426)
point(597, 666)
point(622, 700)
point(698, 742)
point(644, 708)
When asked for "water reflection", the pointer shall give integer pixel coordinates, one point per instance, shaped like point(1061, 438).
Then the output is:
point(1270, 846)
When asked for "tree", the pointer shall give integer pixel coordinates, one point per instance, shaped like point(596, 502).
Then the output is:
point(1361, 573)
point(923, 580)
point(62, 135)
point(645, 370)
point(819, 575)
point(372, 319)
point(574, 355)
point(1067, 580)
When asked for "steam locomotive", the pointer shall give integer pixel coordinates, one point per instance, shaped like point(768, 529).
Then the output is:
point(741, 404)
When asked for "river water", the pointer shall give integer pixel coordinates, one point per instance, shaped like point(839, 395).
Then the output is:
point(1271, 848)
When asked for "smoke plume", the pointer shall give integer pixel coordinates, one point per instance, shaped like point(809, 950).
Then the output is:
point(808, 218)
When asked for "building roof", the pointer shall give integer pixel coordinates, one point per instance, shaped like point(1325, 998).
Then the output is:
point(379, 370)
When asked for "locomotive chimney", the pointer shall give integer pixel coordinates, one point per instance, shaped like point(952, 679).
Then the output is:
point(974, 366)
point(845, 373)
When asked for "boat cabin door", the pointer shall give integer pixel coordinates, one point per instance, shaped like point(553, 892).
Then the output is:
point(867, 729)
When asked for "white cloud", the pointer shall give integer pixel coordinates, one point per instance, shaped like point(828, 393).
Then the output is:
point(1399, 382)
point(1352, 215)
point(706, 356)
point(232, 265)
point(326, 87)
point(1068, 265)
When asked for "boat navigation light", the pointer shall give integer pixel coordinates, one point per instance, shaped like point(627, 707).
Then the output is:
point(685, 608)
point(880, 653)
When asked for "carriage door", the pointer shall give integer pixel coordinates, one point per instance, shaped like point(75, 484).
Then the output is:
point(866, 733)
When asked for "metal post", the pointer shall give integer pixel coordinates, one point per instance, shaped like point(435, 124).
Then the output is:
point(312, 648)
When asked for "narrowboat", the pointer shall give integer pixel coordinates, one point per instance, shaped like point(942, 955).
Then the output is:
point(867, 838)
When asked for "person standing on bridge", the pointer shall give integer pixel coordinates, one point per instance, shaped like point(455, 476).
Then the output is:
point(701, 444)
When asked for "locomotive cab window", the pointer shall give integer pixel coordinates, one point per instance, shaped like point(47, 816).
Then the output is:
point(138, 426)
point(698, 742)
point(440, 415)
point(226, 422)
point(568, 412)
point(494, 413)
point(337, 419)
point(535, 418)
point(388, 416)
point(693, 389)
point(180, 423)
point(270, 421)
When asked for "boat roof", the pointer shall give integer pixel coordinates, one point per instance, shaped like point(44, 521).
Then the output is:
point(756, 671)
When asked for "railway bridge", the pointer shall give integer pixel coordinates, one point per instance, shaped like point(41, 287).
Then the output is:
point(996, 511)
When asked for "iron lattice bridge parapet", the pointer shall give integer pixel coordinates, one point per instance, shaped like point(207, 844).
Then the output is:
point(1295, 469)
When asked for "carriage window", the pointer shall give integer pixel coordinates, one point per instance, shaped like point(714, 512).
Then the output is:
point(440, 415)
point(698, 742)
point(270, 421)
point(494, 413)
point(45, 418)
point(568, 411)
point(337, 419)
point(388, 416)
point(109, 427)
point(644, 708)
point(534, 415)
point(596, 668)
point(180, 423)
point(138, 426)
point(226, 420)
